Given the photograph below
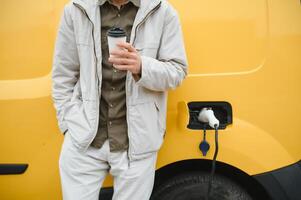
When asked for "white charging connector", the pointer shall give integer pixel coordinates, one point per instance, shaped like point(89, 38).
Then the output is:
point(206, 115)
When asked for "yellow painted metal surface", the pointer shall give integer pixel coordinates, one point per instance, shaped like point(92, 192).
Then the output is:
point(245, 52)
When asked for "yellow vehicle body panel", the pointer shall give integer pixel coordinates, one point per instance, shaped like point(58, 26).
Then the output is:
point(240, 51)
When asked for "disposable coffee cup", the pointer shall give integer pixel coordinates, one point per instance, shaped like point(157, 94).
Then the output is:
point(114, 36)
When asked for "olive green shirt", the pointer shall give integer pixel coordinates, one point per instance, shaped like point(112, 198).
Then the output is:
point(112, 109)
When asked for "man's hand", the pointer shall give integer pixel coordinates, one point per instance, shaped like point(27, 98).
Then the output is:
point(126, 59)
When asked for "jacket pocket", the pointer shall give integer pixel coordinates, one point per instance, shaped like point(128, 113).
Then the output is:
point(161, 123)
point(78, 116)
point(147, 49)
point(78, 123)
point(145, 132)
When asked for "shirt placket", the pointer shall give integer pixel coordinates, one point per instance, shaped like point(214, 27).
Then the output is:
point(110, 121)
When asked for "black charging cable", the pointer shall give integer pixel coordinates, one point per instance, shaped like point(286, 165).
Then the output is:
point(213, 164)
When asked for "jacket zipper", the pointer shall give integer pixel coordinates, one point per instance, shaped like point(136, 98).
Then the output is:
point(96, 60)
point(145, 18)
point(94, 48)
point(136, 29)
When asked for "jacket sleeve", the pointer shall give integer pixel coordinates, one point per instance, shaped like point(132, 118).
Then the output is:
point(170, 68)
point(65, 69)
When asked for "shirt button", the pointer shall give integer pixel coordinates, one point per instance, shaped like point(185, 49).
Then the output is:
point(110, 123)
point(112, 88)
point(111, 105)
point(114, 70)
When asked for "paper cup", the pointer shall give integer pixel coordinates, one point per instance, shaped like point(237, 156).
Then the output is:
point(114, 36)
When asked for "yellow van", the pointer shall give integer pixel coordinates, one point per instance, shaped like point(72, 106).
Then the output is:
point(244, 62)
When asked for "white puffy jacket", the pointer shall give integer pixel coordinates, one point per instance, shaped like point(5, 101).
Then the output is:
point(76, 73)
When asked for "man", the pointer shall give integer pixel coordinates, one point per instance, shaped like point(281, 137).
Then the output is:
point(112, 108)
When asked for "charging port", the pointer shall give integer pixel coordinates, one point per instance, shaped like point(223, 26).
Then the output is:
point(222, 111)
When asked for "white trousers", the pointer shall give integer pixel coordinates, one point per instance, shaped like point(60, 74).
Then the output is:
point(82, 173)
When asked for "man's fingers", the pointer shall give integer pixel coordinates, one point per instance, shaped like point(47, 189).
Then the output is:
point(125, 59)
point(121, 61)
point(122, 67)
point(124, 54)
point(126, 45)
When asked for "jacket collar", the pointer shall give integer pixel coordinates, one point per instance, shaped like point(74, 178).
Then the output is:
point(135, 2)
point(91, 6)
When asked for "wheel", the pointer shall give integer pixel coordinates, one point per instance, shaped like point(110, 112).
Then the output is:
point(193, 186)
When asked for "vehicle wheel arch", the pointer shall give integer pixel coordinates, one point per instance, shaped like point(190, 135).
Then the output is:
point(254, 188)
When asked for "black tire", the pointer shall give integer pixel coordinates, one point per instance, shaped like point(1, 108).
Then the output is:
point(193, 186)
